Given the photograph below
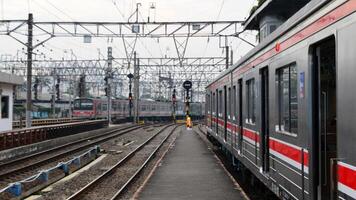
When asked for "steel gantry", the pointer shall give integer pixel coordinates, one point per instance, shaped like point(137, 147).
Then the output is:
point(155, 72)
point(152, 71)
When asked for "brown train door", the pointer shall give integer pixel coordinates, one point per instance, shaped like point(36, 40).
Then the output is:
point(324, 99)
point(264, 119)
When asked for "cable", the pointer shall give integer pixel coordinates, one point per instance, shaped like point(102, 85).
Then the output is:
point(118, 9)
point(67, 15)
point(221, 7)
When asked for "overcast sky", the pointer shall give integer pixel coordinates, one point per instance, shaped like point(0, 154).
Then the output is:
point(120, 10)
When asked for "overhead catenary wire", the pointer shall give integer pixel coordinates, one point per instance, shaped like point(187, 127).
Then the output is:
point(68, 16)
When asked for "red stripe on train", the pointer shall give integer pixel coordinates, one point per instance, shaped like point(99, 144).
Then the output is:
point(347, 176)
point(252, 135)
point(289, 151)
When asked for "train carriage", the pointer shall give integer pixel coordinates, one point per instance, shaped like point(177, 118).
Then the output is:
point(97, 108)
point(286, 111)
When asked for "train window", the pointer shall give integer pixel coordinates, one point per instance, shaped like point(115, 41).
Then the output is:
point(229, 103)
point(251, 101)
point(213, 104)
point(220, 103)
point(208, 103)
point(114, 106)
point(234, 99)
point(287, 99)
point(105, 107)
point(83, 104)
point(5, 107)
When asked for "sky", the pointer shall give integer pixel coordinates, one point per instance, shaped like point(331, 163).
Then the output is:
point(120, 10)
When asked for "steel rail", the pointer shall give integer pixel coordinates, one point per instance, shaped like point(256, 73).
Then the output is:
point(133, 177)
point(104, 137)
point(100, 178)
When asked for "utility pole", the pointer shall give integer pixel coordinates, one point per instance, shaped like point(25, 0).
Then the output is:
point(136, 88)
point(109, 72)
point(70, 96)
point(54, 95)
point(29, 71)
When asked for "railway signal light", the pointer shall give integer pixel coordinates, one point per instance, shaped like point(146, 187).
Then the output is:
point(35, 88)
point(57, 89)
point(57, 92)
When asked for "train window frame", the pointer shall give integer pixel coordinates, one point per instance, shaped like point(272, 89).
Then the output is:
point(228, 110)
point(220, 103)
point(281, 95)
point(213, 104)
point(104, 107)
point(234, 97)
point(251, 116)
point(208, 103)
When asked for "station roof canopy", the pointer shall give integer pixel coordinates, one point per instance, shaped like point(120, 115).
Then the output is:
point(281, 8)
point(10, 79)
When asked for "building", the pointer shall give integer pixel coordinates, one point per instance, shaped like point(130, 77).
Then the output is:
point(271, 14)
point(7, 83)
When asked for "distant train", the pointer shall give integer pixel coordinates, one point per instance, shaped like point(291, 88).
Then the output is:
point(97, 108)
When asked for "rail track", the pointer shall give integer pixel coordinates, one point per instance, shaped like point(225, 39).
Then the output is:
point(23, 167)
point(113, 182)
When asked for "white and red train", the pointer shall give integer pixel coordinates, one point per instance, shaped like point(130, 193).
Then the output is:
point(287, 110)
point(97, 108)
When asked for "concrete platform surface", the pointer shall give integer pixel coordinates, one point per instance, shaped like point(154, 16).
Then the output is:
point(190, 171)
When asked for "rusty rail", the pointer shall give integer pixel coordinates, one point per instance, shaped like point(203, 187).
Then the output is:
point(21, 137)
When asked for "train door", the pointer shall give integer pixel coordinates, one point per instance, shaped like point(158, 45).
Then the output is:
point(225, 114)
point(264, 119)
point(234, 116)
point(324, 66)
point(240, 117)
point(217, 112)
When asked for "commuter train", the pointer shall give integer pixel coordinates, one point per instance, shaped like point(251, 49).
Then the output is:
point(287, 110)
point(97, 108)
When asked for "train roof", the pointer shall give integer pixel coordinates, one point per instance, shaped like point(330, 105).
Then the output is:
point(306, 11)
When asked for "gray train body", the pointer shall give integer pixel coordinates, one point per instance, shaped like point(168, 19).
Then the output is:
point(288, 113)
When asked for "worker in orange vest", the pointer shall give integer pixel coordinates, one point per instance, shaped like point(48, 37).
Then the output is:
point(189, 122)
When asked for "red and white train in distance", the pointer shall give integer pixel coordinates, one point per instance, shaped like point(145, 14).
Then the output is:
point(287, 110)
point(97, 108)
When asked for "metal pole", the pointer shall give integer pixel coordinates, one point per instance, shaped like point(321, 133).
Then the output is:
point(29, 70)
point(135, 89)
point(54, 96)
point(138, 89)
point(110, 58)
point(70, 97)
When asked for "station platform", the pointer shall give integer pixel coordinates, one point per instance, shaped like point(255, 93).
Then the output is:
point(190, 171)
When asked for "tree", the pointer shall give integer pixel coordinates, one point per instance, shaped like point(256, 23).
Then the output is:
point(253, 9)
